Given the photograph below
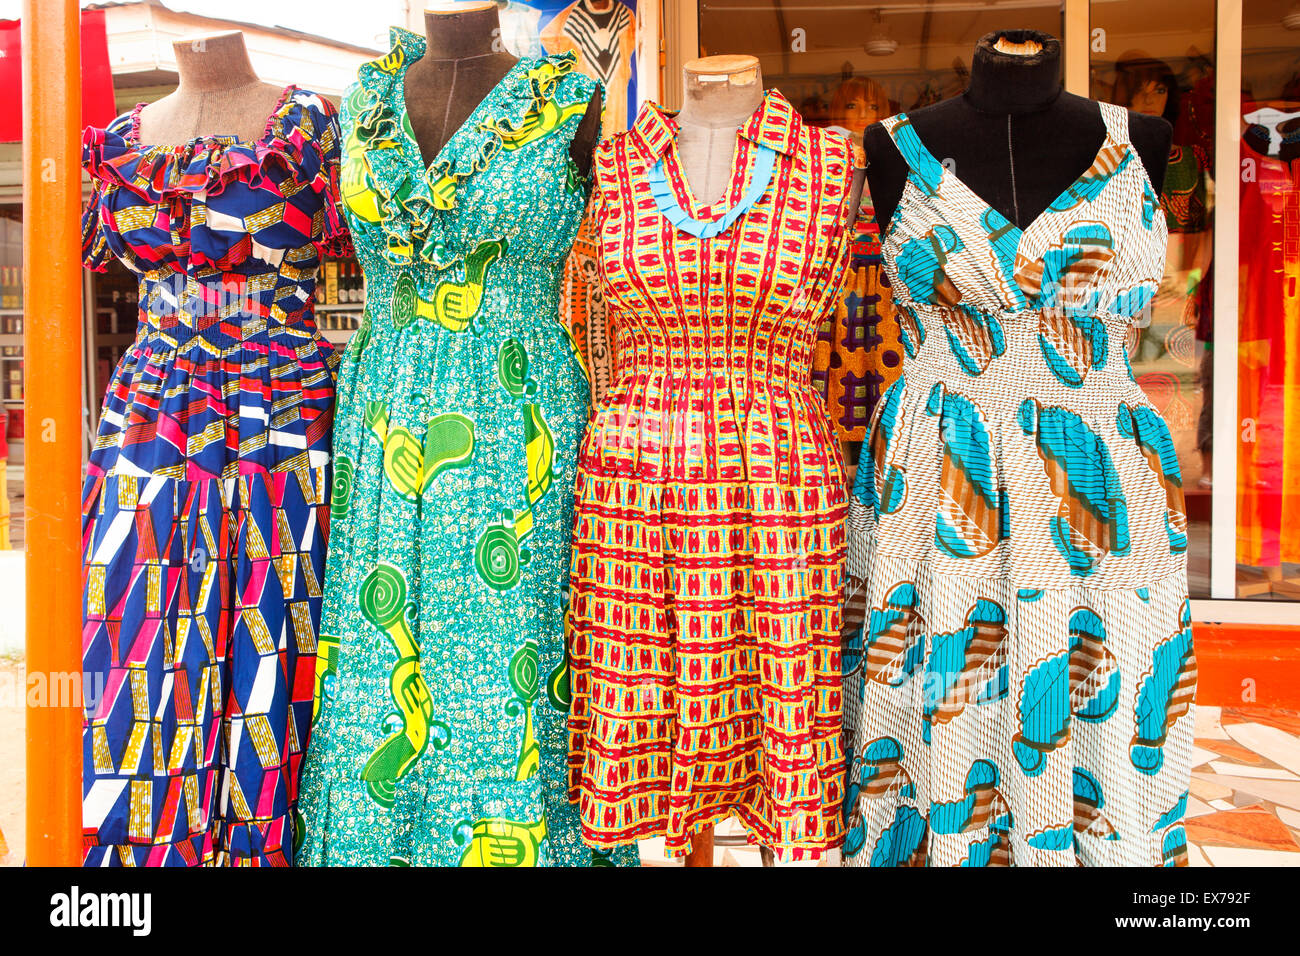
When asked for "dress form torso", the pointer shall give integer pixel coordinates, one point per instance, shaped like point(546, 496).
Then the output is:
point(719, 94)
point(219, 94)
point(1013, 109)
point(458, 70)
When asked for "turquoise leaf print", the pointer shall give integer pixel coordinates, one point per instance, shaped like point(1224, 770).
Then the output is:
point(1053, 838)
point(903, 842)
point(881, 769)
point(975, 810)
point(1164, 693)
point(1068, 272)
point(1004, 242)
point(921, 263)
point(1094, 673)
point(1089, 802)
point(1044, 713)
point(973, 513)
point(1088, 187)
point(1145, 426)
point(879, 484)
point(1173, 814)
point(924, 170)
point(995, 850)
point(911, 330)
point(1092, 514)
point(975, 338)
point(967, 665)
point(1072, 343)
point(1173, 846)
point(895, 637)
point(1173, 841)
point(1149, 204)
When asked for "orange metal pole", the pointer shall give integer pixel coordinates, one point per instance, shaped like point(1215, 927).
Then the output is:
point(51, 38)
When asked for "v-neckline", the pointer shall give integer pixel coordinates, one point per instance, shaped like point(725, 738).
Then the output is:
point(1005, 224)
point(409, 132)
point(736, 176)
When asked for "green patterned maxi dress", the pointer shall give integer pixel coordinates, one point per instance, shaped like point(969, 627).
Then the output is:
point(441, 677)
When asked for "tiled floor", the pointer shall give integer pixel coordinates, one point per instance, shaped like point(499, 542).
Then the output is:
point(1244, 808)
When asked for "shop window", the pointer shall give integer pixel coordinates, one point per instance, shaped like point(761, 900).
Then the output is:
point(11, 376)
point(1158, 58)
point(1268, 331)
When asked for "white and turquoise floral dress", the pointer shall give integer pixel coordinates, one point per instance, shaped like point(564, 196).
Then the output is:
point(441, 680)
point(1019, 688)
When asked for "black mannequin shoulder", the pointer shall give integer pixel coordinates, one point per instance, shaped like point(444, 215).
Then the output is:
point(1151, 137)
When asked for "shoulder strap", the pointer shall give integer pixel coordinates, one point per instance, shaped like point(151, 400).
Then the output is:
point(1116, 119)
point(927, 170)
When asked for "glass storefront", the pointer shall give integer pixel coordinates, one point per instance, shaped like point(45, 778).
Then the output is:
point(1268, 331)
point(1158, 58)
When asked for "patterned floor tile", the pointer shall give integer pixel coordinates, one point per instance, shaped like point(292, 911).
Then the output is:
point(1270, 742)
point(1208, 788)
point(1244, 805)
point(1230, 749)
point(1288, 816)
point(1252, 827)
point(1244, 770)
point(1208, 725)
point(1233, 856)
point(1281, 719)
point(1283, 792)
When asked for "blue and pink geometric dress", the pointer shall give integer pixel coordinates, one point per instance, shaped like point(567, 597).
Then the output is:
point(206, 500)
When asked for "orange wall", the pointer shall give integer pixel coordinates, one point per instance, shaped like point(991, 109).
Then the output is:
point(1248, 665)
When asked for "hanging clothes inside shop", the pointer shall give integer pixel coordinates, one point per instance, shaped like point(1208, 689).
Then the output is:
point(1268, 377)
point(858, 354)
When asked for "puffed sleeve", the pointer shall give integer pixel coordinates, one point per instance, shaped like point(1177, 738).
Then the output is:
point(95, 251)
point(94, 247)
point(336, 239)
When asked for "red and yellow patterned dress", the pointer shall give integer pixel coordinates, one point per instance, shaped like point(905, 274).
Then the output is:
point(709, 545)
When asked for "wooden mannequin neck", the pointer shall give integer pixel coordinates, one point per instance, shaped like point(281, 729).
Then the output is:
point(213, 64)
point(720, 101)
point(219, 93)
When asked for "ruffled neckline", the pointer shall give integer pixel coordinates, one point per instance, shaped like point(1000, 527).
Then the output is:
point(202, 165)
point(132, 136)
point(412, 195)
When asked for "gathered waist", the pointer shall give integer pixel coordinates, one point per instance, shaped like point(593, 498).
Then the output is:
point(713, 427)
point(1079, 362)
point(216, 331)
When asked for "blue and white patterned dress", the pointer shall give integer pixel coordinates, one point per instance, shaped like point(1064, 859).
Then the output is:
point(1021, 688)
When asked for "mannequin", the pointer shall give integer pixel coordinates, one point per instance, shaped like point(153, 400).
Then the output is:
point(719, 94)
point(461, 65)
point(219, 94)
point(1054, 136)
